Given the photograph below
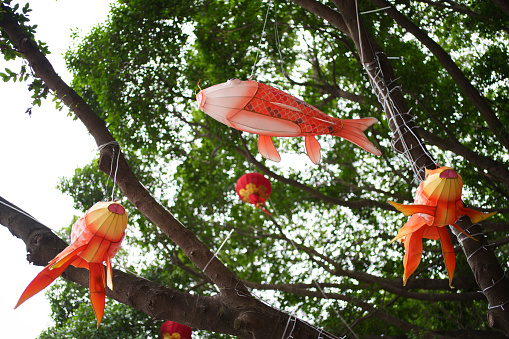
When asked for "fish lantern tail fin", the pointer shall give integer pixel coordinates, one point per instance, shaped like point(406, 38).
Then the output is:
point(97, 290)
point(353, 131)
point(47, 276)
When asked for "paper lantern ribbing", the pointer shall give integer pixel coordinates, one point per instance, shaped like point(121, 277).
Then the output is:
point(95, 238)
point(437, 204)
point(254, 188)
point(256, 108)
point(173, 330)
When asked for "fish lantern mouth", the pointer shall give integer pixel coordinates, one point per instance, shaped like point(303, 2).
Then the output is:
point(449, 174)
point(200, 98)
point(116, 208)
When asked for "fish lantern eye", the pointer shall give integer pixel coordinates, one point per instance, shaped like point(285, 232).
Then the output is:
point(233, 82)
point(200, 98)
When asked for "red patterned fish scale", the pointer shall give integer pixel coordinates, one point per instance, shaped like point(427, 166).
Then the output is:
point(311, 120)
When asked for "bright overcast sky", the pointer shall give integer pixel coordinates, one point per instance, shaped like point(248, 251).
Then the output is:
point(35, 152)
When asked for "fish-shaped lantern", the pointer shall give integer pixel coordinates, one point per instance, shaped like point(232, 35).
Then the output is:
point(437, 204)
point(95, 238)
point(172, 330)
point(254, 188)
point(256, 108)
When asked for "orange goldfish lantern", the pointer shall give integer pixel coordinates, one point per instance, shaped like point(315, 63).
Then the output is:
point(173, 330)
point(256, 108)
point(254, 188)
point(437, 204)
point(95, 238)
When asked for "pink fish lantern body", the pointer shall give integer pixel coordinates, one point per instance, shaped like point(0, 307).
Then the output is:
point(256, 108)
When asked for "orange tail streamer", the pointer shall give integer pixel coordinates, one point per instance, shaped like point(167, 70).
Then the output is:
point(413, 224)
point(353, 131)
point(97, 290)
point(413, 253)
point(44, 278)
point(447, 252)
point(263, 209)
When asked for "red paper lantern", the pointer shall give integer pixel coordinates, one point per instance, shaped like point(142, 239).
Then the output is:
point(173, 330)
point(254, 188)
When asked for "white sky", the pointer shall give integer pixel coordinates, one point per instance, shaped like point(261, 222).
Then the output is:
point(34, 153)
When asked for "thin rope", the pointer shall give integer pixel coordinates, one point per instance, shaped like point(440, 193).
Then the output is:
point(278, 41)
point(261, 38)
point(20, 211)
point(100, 148)
point(115, 177)
point(494, 283)
point(288, 323)
point(219, 249)
point(376, 10)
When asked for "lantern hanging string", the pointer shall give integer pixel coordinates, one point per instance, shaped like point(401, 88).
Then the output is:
point(19, 211)
point(219, 249)
point(100, 148)
point(261, 39)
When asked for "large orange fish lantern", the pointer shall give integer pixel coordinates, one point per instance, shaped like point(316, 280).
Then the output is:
point(437, 204)
point(95, 238)
point(256, 108)
point(254, 188)
point(173, 330)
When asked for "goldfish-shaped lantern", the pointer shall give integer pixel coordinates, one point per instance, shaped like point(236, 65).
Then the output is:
point(173, 330)
point(256, 108)
point(437, 204)
point(95, 238)
point(254, 188)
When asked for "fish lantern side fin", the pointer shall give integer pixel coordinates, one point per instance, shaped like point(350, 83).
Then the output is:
point(313, 149)
point(267, 149)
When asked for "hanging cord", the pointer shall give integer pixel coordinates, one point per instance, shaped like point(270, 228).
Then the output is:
point(293, 319)
point(261, 39)
point(19, 211)
point(100, 148)
point(219, 249)
point(278, 41)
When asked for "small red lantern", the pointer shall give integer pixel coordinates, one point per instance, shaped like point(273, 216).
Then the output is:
point(173, 330)
point(254, 188)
